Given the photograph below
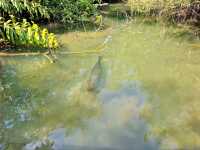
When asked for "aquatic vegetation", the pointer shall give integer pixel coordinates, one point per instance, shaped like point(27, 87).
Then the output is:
point(27, 34)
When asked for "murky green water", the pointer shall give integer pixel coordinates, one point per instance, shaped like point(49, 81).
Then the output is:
point(148, 92)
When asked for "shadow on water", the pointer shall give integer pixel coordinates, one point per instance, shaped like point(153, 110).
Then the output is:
point(60, 28)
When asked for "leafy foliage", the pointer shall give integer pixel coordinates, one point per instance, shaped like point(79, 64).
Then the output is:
point(26, 8)
point(27, 34)
point(70, 11)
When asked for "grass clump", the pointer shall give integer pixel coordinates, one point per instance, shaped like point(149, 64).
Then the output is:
point(184, 11)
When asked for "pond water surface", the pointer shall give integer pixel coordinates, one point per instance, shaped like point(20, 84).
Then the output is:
point(145, 94)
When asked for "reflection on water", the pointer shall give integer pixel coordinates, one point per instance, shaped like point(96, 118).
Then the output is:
point(113, 129)
point(145, 93)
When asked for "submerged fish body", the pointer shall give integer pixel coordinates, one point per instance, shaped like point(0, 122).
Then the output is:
point(1, 75)
point(96, 79)
point(1, 67)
